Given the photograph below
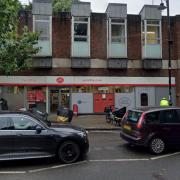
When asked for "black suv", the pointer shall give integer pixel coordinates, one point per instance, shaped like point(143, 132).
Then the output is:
point(24, 136)
point(156, 128)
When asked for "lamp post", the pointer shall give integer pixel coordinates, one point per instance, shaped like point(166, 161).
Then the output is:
point(162, 7)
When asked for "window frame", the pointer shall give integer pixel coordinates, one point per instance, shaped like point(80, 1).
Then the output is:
point(144, 25)
point(123, 40)
point(49, 21)
point(72, 34)
point(86, 22)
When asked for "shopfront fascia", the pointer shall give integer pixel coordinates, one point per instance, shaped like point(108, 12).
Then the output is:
point(48, 92)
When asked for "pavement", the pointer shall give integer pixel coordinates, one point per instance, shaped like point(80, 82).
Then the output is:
point(89, 122)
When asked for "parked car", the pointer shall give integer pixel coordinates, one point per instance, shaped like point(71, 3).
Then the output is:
point(24, 136)
point(156, 128)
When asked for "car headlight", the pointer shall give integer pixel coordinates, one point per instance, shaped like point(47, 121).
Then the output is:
point(83, 134)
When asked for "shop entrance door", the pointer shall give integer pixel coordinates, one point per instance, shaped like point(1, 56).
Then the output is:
point(59, 97)
point(65, 97)
point(54, 100)
point(101, 100)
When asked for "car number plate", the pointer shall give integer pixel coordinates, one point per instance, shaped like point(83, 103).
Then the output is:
point(127, 127)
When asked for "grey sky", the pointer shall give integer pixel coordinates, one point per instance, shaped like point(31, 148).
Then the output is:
point(133, 6)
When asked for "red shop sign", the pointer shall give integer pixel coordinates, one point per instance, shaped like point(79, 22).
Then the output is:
point(60, 80)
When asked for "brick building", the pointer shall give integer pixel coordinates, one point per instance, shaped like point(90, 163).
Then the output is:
point(96, 59)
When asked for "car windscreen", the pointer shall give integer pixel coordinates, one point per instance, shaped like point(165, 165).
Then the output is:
point(133, 115)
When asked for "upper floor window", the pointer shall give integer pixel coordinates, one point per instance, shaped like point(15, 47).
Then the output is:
point(151, 31)
point(42, 25)
point(118, 30)
point(81, 29)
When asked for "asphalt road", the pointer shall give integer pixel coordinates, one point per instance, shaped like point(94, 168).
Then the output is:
point(109, 158)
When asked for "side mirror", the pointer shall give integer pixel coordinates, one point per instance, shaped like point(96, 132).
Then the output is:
point(38, 129)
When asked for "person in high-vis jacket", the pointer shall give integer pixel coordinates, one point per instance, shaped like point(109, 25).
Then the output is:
point(164, 102)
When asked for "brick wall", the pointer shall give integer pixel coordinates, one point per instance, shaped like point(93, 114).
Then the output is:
point(175, 25)
point(177, 38)
point(134, 37)
point(61, 35)
point(98, 36)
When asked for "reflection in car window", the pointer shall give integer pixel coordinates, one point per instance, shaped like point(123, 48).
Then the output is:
point(4, 123)
point(169, 116)
point(134, 116)
point(152, 117)
point(23, 123)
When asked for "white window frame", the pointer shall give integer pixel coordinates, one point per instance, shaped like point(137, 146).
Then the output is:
point(145, 35)
point(48, 21)
point(50, 31)
point(145, 31)
point(109, 38)
point(73, 21)
point(118, 23)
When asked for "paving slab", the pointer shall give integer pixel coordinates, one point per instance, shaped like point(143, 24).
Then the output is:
point(89, 122)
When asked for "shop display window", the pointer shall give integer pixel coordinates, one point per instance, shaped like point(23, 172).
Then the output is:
point(123, 89)
point(14, 89)
point(35, 94)
point(82, 89)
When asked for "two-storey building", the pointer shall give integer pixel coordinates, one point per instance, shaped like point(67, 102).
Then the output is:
point(96, 59)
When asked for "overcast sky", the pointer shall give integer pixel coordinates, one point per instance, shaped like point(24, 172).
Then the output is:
point(133, 6)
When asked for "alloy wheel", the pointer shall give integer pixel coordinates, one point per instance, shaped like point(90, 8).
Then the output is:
point(69, 152)
point(157, 145)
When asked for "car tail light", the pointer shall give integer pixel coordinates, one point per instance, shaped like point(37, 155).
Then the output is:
point(140, 122)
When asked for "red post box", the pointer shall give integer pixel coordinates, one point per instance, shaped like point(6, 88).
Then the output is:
point(75, 109)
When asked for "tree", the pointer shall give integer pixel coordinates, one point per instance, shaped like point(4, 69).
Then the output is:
point(62, 5)
point(16, 49)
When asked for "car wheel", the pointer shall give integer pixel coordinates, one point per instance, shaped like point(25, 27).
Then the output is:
point(157, 145)
point(68, 152)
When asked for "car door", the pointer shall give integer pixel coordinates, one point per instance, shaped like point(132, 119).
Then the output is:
point(170, 126)
point(6, 138)
point(29, 142)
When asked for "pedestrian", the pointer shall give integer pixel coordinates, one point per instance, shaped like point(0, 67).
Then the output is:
point(164, 102)
point(4, 105)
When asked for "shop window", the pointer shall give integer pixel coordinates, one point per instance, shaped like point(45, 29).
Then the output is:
point(125, 89)
point(144, 99)
point(14, 90)
point(82, 89)
point(36, 96)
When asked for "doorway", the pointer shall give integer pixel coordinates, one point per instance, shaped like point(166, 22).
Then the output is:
point(101, 100)
point(59, 97)
point(54, 100)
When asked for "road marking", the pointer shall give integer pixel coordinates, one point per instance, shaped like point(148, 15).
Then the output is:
point(86, 161)
point(12, 172)
point(118, 160)
point(55, 167)
point(163, 156)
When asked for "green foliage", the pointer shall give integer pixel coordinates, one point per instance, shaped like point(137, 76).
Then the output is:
point(62, 5)
point(8, 15)
point(15, 50)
